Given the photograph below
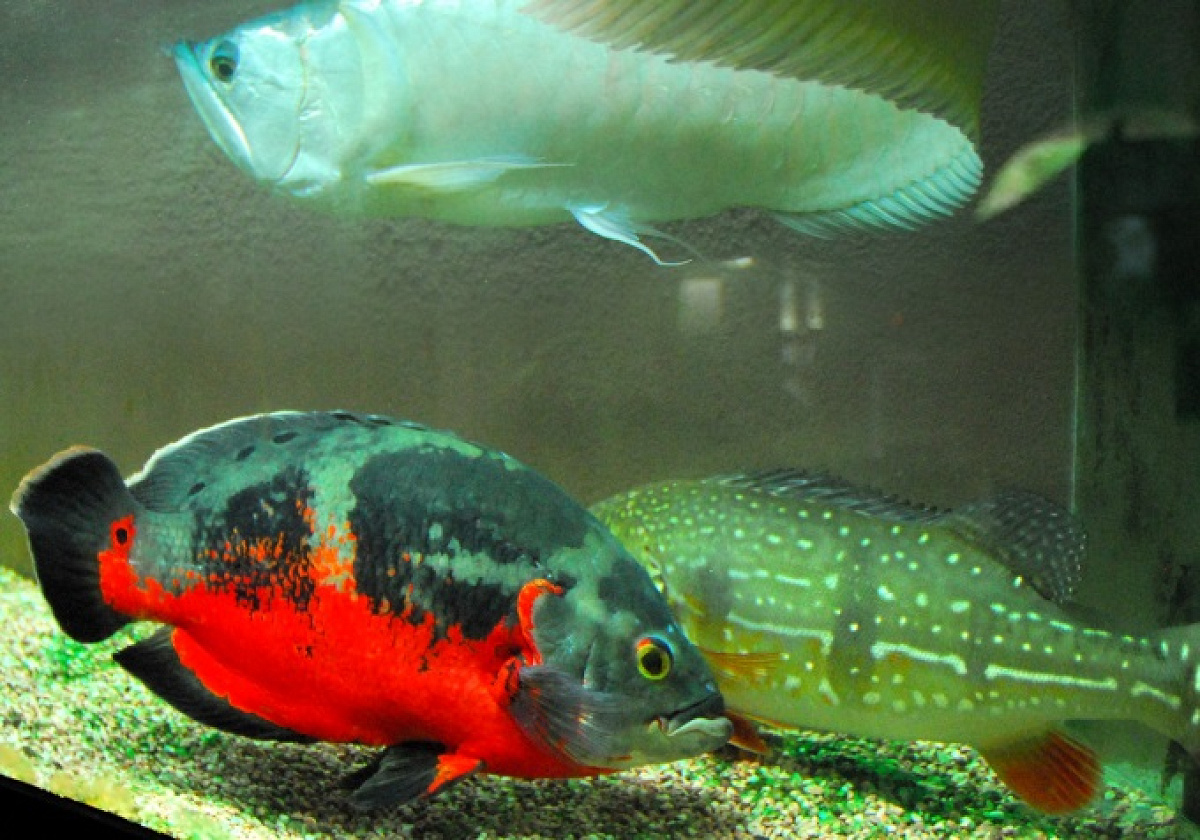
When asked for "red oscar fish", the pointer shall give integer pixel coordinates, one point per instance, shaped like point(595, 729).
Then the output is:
point(351, 578)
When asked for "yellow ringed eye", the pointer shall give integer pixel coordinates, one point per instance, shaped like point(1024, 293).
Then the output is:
point(653, 658)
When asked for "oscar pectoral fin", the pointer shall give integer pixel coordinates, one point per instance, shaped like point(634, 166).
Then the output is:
point(406, 771)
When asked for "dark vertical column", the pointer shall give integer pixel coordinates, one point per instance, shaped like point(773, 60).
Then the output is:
point(1138, 419)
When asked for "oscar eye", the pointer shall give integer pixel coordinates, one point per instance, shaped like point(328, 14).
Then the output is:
point(653, 658)
point(224, 61)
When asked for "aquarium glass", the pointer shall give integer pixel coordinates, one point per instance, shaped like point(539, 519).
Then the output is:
point(151, 289)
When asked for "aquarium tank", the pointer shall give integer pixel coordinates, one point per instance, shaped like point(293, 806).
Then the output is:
point(671, 264)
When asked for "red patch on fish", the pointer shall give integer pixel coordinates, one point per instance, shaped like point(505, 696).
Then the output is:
point(304, 669)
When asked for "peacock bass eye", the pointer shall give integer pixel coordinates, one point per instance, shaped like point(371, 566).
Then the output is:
point(653, 658)
point(224, 61)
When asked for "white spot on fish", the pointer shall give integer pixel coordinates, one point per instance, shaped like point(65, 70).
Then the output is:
point(1141, 689)
point(791, 683)
point(804, 545)
point(843, 531)
point(737, 574)
point(992, 672)
point(872, 698)
point(922, 599)
point(738, 534)
point(965, 705)
point(774, 539)
point(897, 530)
point(880, 650)
point(885, 594)
point(918, 699)
point(831, 581)
point(959, 606)
point(953, 557)
point(793, 581)
point(899, 707)
point(923, 539)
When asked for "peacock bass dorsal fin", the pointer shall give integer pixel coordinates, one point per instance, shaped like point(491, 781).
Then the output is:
point(1033, 537)
point(826, 489)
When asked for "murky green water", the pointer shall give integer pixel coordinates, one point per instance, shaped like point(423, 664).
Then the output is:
point(151, 289)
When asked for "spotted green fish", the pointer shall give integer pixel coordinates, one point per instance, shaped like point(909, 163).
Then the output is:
point(823, 607)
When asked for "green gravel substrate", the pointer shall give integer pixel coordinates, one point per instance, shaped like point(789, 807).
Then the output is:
point(75, 723)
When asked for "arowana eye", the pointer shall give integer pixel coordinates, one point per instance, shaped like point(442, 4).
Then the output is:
point(224, 61)
point(653, 658)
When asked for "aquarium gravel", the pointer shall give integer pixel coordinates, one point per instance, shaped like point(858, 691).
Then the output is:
point(75, 723)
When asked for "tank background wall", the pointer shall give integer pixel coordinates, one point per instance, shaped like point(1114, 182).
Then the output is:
point(151, 289)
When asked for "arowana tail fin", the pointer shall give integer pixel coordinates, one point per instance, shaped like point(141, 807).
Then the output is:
point(75, 508)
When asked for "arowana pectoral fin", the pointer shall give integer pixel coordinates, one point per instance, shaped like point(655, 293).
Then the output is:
point(455, 175)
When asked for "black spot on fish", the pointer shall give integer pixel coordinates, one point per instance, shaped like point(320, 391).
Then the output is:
point(628, 584)
point(434, 527)
point(244, 453)
point(196, 488)
point(380, 420)
point(348, 417)
point(259, 543)
point(284, 437)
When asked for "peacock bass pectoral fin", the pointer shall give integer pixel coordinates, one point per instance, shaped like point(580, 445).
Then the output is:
point(405, 771)
point(751, 666)
point(1052, 771)
point(455, 175)
point(745, 735)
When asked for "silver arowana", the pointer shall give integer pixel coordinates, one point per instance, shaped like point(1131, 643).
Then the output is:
point(474, 112)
